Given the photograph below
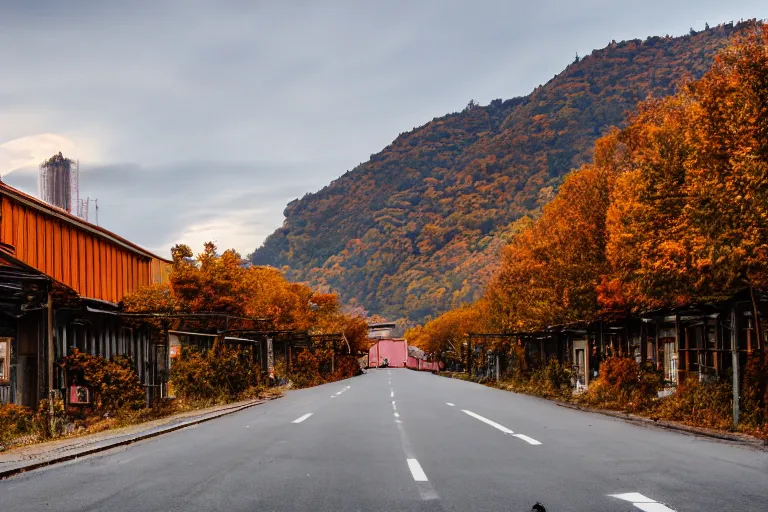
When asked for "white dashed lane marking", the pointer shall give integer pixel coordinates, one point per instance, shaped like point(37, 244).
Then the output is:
point(302, 418)
point(449, 403)
point(488, 422)
point(644, 503)
point(502, 428)
point(340, 392)
point(416, 471)
point(527, 439)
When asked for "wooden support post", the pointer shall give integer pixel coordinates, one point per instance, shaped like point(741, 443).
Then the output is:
point(601, 351)
point(716, 354)
point(656, 345)
point(735, 363)
point(587, 355)
point(677, 347)
point(50, 355)
point(469, 355)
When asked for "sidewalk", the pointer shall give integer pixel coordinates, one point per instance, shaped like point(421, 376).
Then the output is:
point(26, 458)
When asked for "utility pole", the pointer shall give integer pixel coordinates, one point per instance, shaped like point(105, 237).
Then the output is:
point(735, 364)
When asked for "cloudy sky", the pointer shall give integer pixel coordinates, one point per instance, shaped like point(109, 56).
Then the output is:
point(197, 121)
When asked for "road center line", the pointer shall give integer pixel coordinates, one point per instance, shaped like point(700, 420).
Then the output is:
point(416, 471)
point(302, 418)
point(488, 422)
point(426, 491)
point(527, 439)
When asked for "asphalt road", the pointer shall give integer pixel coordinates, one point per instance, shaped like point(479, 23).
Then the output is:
point(442, 445)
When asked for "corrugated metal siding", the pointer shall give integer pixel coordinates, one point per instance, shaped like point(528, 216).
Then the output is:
point(161, 271)
point(92, 266)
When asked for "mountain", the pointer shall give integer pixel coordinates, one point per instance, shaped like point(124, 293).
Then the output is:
point(416, 230)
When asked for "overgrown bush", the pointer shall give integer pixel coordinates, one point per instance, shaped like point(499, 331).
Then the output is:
point(305, 370)
point(346, 366)
point(314, 368)
point(754, 391)
point(624, 384)
point(45, 426)
point(114, 382)
point(552, 380)
point(217, 375)
point(518, 365)
point(708, 404)
point(15, 421)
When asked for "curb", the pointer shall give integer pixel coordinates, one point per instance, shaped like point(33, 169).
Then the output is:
point(141, 437)
point(698, 431)
point(740, 439)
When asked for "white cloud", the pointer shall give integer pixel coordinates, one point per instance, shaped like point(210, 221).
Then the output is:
point(32, 150)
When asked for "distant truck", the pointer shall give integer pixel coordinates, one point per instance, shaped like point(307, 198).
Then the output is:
point(389, 353)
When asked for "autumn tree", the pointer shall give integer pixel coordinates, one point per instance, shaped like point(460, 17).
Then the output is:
point(549, 273)
point(226, 284)
point(447, 332)
point(689, 218)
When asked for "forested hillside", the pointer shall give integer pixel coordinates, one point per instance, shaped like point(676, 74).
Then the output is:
point(417, 229)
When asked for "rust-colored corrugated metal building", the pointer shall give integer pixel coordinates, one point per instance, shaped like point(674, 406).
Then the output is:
point(94, 262)
point(60, 281)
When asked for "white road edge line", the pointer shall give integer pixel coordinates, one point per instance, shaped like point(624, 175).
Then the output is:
point(644, 503)
point(302, 418)
point(416, 471)
point(527, 439)
point(488, 422)
point(449, 403)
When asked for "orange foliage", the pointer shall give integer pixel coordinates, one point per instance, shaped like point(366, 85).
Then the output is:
point(224, 283)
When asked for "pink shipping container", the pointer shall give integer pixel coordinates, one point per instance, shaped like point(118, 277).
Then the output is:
point(394, 351)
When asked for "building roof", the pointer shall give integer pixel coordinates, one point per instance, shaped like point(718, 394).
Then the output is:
point(65, 216)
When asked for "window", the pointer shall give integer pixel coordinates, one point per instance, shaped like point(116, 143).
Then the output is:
point(5, 359)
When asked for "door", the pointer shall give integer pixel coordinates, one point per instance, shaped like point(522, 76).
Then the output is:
point(670, 361)
point(580, 362)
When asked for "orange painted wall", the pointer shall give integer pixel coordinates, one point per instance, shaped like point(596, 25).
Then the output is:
point(88, 263)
